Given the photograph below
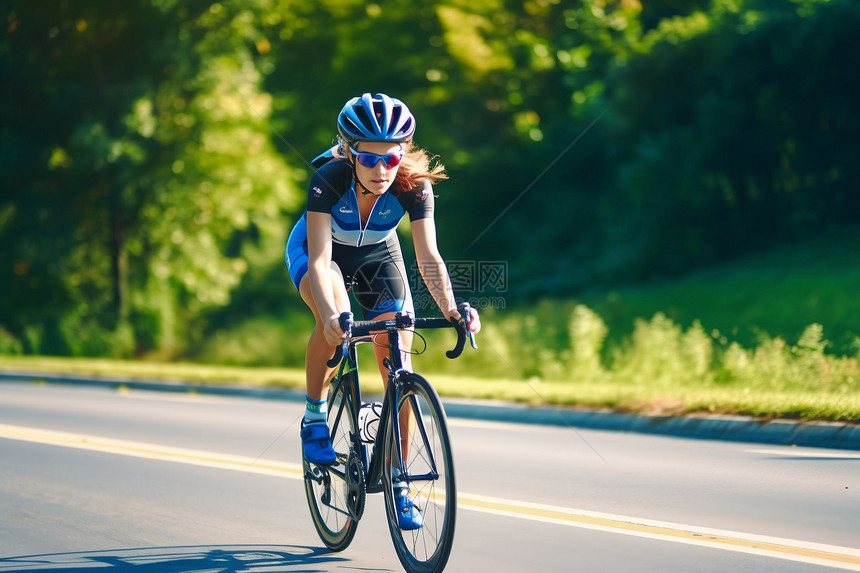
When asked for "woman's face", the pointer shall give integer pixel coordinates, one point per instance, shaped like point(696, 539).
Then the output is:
point(376, 179)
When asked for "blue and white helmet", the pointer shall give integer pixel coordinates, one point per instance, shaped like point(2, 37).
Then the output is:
point(375, 118)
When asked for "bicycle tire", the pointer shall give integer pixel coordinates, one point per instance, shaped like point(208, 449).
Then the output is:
point(331, 517)
point(426, 549)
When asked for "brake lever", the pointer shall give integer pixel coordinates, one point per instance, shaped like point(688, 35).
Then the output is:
point(340, 352)
point(465, 311)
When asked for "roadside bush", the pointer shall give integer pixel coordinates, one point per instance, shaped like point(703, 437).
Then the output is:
point(9, 345)
point(265, 341)
point(587, 333)
point(660, 352)
point(775, 365)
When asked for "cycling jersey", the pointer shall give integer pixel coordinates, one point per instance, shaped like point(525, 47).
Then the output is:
point(332, 190)
point(367, 253)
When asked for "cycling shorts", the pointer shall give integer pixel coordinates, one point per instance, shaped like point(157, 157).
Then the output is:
point(377, 272)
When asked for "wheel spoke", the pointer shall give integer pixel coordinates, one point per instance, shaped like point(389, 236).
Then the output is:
point(329, 498)
point(428, 464)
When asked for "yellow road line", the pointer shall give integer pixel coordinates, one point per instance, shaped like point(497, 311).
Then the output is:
point(814, 553)
point(153, 451)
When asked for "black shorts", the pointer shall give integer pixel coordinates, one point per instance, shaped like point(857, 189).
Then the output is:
point(378, 274)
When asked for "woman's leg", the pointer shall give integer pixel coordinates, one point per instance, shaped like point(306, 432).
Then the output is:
point(316, 441)
point(383, 292)
point(381, 352)
point(319, 351)
point(407, 418)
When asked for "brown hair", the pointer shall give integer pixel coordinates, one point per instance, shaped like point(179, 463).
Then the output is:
point(416, 167)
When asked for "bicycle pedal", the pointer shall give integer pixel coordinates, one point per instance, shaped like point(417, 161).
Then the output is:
point(312, 472)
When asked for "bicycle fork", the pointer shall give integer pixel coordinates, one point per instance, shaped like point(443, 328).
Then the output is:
point(414, 422)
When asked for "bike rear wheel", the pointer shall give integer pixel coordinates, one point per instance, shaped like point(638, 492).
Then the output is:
point(331, 499)
point(422, 455)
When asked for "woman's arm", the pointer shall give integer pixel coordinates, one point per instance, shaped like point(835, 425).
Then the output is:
point(320, 274)
point(434, 272)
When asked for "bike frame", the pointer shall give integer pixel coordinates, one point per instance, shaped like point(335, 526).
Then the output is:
point(372, 469)
point(408, 438)
point(348, 374)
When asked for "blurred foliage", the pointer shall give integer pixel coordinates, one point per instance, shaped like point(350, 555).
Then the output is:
point(141, 179)
point(153, 154)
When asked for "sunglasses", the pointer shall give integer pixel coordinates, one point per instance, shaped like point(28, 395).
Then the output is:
point(390, 160)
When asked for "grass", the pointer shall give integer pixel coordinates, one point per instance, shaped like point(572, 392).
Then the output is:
point(771, 336)
point(160, 371)
point(775, 293)
point(604, 391)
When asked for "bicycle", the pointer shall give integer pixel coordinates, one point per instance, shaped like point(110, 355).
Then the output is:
point(411, 445)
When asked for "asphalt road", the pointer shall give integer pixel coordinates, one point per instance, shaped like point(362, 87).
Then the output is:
point(96, 479)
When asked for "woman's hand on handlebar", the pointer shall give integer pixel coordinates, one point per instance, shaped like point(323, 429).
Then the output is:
point(332, 331)
point(473, 322)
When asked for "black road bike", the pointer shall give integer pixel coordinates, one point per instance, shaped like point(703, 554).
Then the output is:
point(411, 444)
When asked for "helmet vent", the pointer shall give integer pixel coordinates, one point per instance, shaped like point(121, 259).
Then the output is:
point(365, 119)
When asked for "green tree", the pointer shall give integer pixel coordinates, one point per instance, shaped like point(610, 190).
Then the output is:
point(154, 154)
point(737, 123)
point(146, 165)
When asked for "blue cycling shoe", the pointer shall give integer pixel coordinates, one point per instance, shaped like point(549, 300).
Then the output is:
point(316, 444)
point(409, 515)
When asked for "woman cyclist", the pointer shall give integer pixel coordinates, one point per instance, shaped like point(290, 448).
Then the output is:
point(347, 237)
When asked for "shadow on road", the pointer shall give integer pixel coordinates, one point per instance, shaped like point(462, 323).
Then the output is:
point(189, 559)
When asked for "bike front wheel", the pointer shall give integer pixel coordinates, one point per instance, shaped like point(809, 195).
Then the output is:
point(332, 499)
point(419, 453)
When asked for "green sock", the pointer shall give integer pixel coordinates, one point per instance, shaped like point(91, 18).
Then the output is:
point(315, 410)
